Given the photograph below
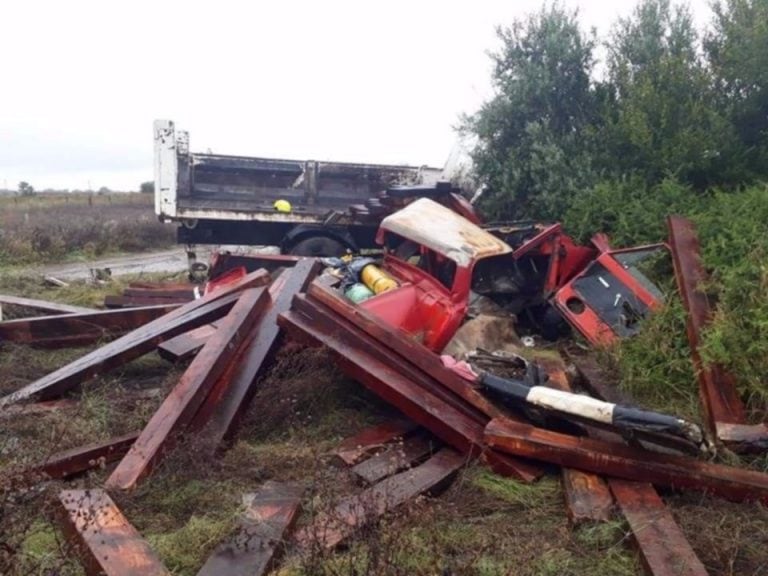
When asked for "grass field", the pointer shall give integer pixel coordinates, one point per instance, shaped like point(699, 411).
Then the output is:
point(54, 227)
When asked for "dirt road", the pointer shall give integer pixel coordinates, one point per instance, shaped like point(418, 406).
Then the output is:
point(171, 261)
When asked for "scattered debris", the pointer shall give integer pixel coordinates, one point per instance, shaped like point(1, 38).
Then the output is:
point(485, 395)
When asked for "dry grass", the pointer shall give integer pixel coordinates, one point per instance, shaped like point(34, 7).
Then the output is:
point(47, 228)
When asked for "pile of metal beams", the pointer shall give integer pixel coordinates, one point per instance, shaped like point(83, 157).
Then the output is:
point(230, 334)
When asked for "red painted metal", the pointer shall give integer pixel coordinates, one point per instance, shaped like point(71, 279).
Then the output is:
point(625, 462)
point(328, 530)
point(136, 343)
point(719, 397)
point(49, 308)
point(222, 262)
point(185, 399)
point(105, 541)
point(117, 301)
point(253, 549)
point(78, 329)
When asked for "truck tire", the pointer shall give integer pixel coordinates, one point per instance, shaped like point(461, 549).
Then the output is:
point(317, 246)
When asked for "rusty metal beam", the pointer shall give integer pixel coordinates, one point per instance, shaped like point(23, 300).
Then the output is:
point(330, 529)
point(81, 459)
point(42, 305)
point(622, 461)
point(587, 497)
point(663, 548)
point(220, 414)
point(185, 346)
point(185, 399)
point(78, 329)
point(446, 421)
point(395, 457)
point(253, 549)
point(717, 387)
point(223, 262)
point(138, 342)
point(355, 448)
point(105, 541)
point(187, 294)
point(121, 301)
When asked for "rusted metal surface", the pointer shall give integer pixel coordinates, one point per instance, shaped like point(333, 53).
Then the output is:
point(717, 390)
point(223, 262)
point(394, 458)
point(187, 294)
point(227, 401)
point(351, 514)
point(397, 341)
point(663, 547)
point(185, 346)
point(117, 301)
point(622, 461)
point(83, 458)
point(78, 329)
point(446, 420)
point(103, 537)
point(42, 305)
point(587, 497)
point(252, 551)
point(430, 224)
point(138, 342)
point(179, 407)
point(355, 448)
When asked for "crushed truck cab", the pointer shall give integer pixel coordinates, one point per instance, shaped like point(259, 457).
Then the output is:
point(439, 259)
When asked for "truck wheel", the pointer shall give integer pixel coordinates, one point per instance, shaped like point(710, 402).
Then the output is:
point(317, 246)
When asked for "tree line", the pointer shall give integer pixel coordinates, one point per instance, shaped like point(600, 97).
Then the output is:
point(665, 103)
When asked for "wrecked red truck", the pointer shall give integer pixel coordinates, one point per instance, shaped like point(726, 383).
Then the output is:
point(441, 262)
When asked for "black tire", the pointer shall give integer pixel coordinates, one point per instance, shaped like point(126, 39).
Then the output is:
point(318, 246)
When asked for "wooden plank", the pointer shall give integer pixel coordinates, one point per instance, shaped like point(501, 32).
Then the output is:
point(587, 496)
point(105, 540)
point(185, 399)
point(330, 529)
point(354, 357)
point(625, 462)
point(395, 458)
point(663, 548)
point(137, 343)
point(185, 346)
point(79, 329)
point(252, 550)
point(355, 448)
point(43, 305)
point(226, 403)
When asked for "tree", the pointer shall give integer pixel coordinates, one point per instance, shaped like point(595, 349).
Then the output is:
point(147, 187)
point(534, 136)
point(737, 51)
point(663, 120)
point(26, 189)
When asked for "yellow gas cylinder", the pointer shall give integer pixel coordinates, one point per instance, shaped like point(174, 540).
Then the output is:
point(376, 279)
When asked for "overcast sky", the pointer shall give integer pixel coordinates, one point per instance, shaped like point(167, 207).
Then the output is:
point(364, 81)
